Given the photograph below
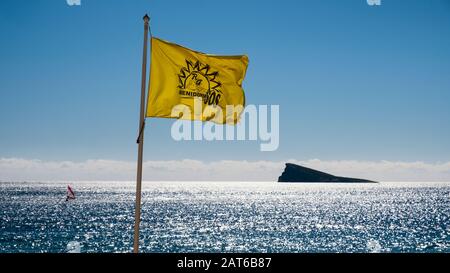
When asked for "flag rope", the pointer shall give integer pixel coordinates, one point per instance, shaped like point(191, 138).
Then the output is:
point(141, 130)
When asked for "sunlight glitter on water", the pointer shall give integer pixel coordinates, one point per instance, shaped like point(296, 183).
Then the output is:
point(226, 217)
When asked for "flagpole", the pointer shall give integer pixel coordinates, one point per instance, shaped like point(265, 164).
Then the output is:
point(140, 139)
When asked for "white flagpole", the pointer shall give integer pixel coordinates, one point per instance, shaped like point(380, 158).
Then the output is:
point(140, 139)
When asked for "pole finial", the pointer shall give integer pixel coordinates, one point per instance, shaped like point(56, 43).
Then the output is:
point(146, 18)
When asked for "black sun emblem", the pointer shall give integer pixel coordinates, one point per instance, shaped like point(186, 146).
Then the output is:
point(196, 80)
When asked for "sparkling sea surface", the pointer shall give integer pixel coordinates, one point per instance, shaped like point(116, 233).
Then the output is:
point(226, 217)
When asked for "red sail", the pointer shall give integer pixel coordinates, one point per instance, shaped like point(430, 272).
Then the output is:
point(70, 193)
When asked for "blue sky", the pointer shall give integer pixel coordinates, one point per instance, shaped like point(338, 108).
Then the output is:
point(354, 82)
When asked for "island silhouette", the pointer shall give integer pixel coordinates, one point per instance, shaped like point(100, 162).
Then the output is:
point(298, 174)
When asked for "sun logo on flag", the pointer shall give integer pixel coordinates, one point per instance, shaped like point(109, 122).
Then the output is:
point(196, 80)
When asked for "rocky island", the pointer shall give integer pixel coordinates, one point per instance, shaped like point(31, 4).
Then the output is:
point(295, 173)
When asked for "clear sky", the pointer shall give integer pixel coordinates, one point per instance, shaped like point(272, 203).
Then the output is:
point(353, 81)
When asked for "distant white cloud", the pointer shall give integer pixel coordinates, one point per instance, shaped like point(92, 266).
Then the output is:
point(16, 169)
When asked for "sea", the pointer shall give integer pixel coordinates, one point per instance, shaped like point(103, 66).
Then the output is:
point(249, 217)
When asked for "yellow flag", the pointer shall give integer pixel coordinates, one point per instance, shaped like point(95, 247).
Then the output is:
point(191, 85)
